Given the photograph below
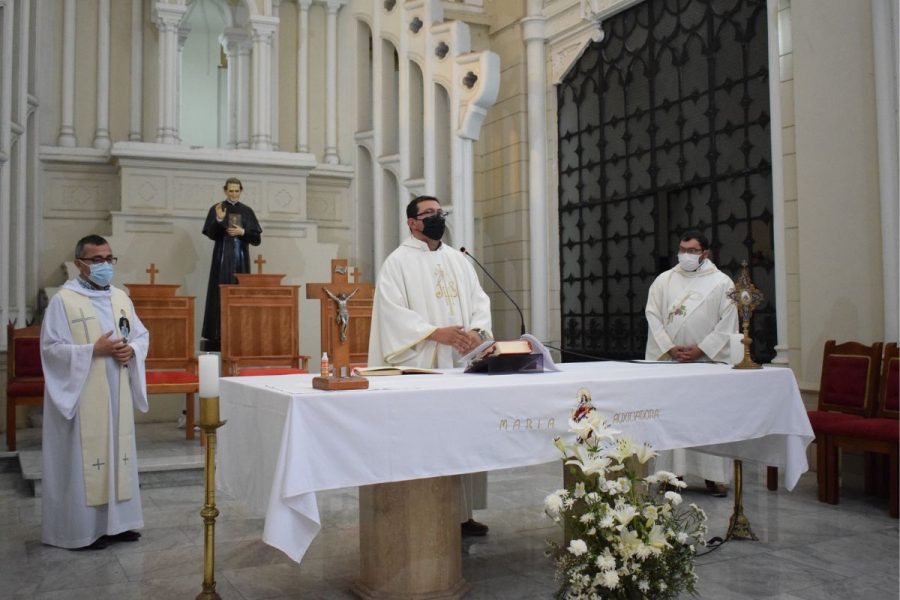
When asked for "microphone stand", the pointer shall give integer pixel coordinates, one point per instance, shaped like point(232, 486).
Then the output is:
point(500, 287)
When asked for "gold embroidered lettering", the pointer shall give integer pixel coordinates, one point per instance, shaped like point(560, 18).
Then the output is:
point(517, 424)
point(503, 425)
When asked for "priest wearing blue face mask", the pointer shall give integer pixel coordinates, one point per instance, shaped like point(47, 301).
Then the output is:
point(691, 319)
point(93, 381)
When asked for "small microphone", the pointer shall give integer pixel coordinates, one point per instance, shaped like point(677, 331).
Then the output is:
point(500, 287)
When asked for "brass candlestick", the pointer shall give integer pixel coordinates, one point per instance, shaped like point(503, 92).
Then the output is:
point(739, 525)
point(209, 423)
point(747, 297)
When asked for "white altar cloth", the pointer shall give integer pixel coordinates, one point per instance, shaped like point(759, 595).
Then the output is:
point(285, 440)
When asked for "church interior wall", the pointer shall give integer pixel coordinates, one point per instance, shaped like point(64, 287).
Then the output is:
point(502, 175)
point(838, 211)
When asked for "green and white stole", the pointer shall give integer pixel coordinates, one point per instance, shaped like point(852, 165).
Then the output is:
point(93, 404)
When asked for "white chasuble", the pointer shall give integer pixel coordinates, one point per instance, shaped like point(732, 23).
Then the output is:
point(685, 308)
point(90, 480)
point(417, 291)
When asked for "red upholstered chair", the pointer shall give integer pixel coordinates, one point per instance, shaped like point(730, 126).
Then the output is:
point(24, 374)
point(847, 391)
point(879, 435)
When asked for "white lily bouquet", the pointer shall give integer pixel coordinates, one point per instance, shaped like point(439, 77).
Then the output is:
point(629, 536)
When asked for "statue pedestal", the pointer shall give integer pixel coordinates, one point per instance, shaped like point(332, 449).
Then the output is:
point(409, 541)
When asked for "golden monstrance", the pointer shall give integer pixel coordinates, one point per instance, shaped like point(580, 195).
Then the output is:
point(747, 298)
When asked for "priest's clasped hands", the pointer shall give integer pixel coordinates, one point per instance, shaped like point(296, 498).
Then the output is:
point(454, 335)
point(106, 345)
point(685, 353)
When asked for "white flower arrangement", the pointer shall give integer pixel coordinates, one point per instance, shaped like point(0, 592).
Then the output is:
point(630, 537)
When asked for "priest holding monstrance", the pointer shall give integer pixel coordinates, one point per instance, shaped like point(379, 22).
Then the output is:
point(232, 225)
point(429, 311)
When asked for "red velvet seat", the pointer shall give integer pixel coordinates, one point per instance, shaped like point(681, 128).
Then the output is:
point(24, 374)
point(262, 371)
point(158, 378)
point(879, 435)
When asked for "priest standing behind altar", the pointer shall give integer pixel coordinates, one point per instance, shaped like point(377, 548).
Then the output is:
point(234, 228)
point(93, 380)
point(691, 319)
point(430, 310)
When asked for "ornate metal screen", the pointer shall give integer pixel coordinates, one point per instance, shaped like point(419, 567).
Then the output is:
point(663, 127)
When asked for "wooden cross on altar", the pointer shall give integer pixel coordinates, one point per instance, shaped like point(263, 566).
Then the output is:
point(358, 310)
point(153, 271)
point(260, 261)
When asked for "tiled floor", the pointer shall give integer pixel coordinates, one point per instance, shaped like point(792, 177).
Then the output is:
point(807, 550)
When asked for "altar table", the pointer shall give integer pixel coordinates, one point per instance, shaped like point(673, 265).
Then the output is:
point(285, 440)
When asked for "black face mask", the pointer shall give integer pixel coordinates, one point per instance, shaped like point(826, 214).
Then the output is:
point(434, 226)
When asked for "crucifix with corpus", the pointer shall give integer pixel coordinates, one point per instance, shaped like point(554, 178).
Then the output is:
point(346, 311)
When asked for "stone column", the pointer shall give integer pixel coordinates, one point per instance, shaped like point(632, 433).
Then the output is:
point(101, 135)
point(273, 105)
point(136, 127)
point(303, 75)
point(262, 32)
point(884, 28)
point(21, 175)
point(533, 32)
point(331, 7)
point(168, 19)
point(67, 125)
point(183, 32)
point(6, 80)
point(777, 150)
point(231, 41)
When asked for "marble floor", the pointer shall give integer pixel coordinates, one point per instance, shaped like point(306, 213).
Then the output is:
point(807, 550)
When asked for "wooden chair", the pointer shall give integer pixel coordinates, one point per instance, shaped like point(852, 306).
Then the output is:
point(879, 435)
point(847, 391)
point(260, 327)
point(24, 375)
point(171, 361)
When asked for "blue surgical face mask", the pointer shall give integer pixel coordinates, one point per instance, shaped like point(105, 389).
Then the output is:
point(101, 274)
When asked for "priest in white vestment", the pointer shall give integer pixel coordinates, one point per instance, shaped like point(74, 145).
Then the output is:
point(93, 379)
point(430, 310)
point(691, 318)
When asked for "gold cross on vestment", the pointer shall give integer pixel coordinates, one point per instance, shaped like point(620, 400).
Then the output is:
point(153, 271)
point(260, 261)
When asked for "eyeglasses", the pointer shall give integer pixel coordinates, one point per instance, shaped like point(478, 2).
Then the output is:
point(99, 260)
point(431, 213)
point(694, 251)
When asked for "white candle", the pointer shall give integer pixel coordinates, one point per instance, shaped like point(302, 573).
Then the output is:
point(209, 375)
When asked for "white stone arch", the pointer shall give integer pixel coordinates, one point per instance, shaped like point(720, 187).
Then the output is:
point(417, 28)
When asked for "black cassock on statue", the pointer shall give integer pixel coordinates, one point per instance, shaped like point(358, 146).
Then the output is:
point(230, 255)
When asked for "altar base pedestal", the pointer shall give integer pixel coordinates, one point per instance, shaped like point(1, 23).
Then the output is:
point(409, 541)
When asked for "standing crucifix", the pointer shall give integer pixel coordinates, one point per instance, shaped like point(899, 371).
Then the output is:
point(344, 323)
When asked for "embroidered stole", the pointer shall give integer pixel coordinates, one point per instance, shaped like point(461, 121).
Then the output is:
point(695, 293)
point(93, 404)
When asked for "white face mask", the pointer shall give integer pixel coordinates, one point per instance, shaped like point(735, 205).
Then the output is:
point(689, 262)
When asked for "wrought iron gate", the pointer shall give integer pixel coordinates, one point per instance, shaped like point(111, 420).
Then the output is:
point(663, 127)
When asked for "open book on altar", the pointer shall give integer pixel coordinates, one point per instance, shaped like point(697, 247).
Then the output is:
point(385, 371)
point(524, 346)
